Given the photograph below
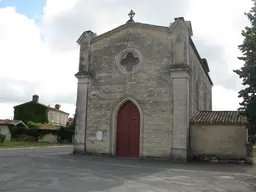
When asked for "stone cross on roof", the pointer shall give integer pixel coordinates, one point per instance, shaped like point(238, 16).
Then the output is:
point(131, 15)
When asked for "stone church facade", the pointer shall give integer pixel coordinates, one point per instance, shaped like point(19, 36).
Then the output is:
point(138, 87)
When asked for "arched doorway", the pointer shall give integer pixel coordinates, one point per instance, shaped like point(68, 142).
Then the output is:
point(128, 131)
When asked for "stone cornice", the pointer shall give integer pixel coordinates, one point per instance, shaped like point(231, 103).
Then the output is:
point(180, 67)
point(82, 75)
point(87, 35)
point(130, 24)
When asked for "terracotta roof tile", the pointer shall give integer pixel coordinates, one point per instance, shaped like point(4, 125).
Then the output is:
point(54, 109)
point(218, 117)
point(49, 127)
point(8, 122)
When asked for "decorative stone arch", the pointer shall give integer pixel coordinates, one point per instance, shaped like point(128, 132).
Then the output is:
point(113, 127)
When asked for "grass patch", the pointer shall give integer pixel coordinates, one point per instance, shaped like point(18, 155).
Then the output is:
point(20, 144)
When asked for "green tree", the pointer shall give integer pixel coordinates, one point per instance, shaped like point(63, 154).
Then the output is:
point(37, 125)
point(248, 71)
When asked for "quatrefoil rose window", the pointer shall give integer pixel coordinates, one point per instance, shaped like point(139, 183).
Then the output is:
point(128, 61)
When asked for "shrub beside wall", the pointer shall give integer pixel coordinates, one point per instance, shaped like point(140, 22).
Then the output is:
point(18, 133)
point(65, 133)
point(34, 133)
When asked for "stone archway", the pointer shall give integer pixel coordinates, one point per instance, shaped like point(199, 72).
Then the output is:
point(114, 123)
point(128, 131)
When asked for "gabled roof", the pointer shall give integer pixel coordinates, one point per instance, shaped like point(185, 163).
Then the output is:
point(172, 26)
point(137, 24)
point(11, 122)
point(126, 25)
point(218, 117)
point(49, 107)
point(54, 109)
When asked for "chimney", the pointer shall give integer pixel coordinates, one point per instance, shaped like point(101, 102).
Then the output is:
point(179, 18)
point(35, 98)
point(57, 106)
point(206, 66)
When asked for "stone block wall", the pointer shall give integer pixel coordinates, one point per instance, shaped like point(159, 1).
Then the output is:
point(4, 130)
point(201, 88)
point(222, 141)
point(163, 87)
point(149, 86)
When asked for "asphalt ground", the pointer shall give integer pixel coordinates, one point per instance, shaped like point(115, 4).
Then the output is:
point(57, 169)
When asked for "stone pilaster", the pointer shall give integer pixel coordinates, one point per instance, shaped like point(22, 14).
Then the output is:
point(85, 48)
point(180, 75)
point(180, 70)
point(83, 77)
point(81, 113)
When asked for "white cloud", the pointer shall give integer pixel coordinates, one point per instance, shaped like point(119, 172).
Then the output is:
point(224, 99)
point(29, 67)
point(6, 110)
point(43, 58)
point(220, 22)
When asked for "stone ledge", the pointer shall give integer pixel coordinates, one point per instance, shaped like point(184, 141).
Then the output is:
point(221, 159)
point(143, 158)
point(156, 158)
point(180, 67)
point(82, 74)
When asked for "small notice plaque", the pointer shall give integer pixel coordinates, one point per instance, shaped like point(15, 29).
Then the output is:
point(99, 135)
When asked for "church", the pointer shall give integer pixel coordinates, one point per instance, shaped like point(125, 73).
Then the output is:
point(139, 85)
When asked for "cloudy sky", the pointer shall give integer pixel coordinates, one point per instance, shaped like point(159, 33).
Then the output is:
point(39, 54)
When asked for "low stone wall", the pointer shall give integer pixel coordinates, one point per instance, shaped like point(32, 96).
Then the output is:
point(4, 130)
point(220, 143)
point(48, 139)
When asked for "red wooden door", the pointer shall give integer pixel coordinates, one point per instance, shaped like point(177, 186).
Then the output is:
point(128, 131)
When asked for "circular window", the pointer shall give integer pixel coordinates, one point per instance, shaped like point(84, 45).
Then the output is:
point(128, 61)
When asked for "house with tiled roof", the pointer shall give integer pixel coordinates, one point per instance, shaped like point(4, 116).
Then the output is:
point(40, 113)
point(6, 125)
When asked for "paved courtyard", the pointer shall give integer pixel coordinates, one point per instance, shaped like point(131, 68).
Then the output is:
point(55, 169)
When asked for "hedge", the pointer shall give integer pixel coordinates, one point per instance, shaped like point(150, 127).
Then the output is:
point(64, 133)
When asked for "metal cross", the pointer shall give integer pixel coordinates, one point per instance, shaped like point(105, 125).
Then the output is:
point(131, 14)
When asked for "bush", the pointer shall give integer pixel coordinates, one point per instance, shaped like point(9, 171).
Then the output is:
point(25, 138)
point(31, 131)
point(24, 131)
point(252, 139)
point(65, 133)
point(37, 125)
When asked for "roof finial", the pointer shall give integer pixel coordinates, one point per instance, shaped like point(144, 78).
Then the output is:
point(131, 15)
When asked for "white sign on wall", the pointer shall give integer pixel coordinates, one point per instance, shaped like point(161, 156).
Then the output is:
point(99, 135)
